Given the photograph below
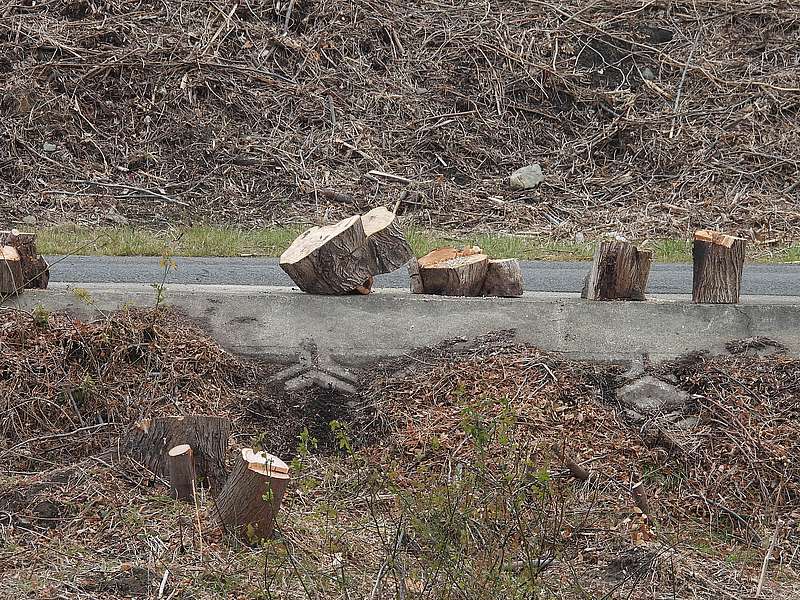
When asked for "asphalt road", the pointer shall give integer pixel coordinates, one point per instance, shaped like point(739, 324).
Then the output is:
point(542, 276)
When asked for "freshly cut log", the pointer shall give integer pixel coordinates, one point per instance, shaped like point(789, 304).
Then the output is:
point(388, 248)
point(454, 276)
point(252, 494)
point(503, 278)
point(150, 440)
point(619, 272)
point(35, 270)
point(333, 259)
point(718, 264)
point(11, 277)
point(181, 472)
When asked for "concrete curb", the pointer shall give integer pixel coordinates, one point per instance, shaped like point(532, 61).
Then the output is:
point(283, 325)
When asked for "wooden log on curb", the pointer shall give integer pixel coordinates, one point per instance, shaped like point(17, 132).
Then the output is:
point(333, 259)
point(503, 278)
point(11, 277)
point(414, 277)
point(459, 275)
point(388, 248)
point(150, 440)
point(619, 272)
point(181, 472)
point(35, 270)
point(718, 264)
point(251, 498)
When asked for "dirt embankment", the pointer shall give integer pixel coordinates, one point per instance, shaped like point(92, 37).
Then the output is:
point(487, 467)
point(646, 120)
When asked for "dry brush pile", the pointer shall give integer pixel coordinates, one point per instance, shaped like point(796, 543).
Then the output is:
point(457, 473)
point(648, 119)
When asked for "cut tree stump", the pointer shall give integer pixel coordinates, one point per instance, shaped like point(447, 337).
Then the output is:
point(251, 498)
point(181, 472)
point(503, 278)
point(718, 265)
point(333, 259)
point(388, 248)
point(150, 440)
point(11, 277)
point(35, 270)
point(450, 272)
point(619, 272)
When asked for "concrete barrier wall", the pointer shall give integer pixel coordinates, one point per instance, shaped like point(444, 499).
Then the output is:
point(279, 323)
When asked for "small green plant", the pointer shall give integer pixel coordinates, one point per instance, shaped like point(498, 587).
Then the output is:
point(41, 316)
point(341, 436)
point(83, 295)
point(167, 264)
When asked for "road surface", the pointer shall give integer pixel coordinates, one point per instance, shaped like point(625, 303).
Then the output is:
point(542, 276)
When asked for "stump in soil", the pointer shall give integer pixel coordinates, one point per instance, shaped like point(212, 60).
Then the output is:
point(718, 265)
point(150, 441)
point(35, 270)
point(503, 278)
point(11, 276)
point(619, 272)
point(333, 259)
point(181, 472)
point(449, 272)
point(388, 248)
point(251, 498)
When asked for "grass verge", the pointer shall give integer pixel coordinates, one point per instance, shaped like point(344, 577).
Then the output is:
point(214, 241)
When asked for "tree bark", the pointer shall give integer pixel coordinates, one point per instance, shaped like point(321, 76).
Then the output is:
point(718, 265)
point(35, 270)
point(150, 440)
point(252, 495)
point(181, 472)
point(333, 259)
point(415, 279)
point(11, 276)
point(388, 248)
point(503, 278)
point(619, 272)
point(449, 272)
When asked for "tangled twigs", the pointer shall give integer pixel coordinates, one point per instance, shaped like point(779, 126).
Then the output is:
point(649, 119)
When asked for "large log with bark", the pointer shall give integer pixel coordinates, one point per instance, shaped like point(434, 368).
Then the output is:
point(35, 270)
point(503, 278)
point(150, 440)
point(388, 248)
point(252, 495)
point(619, 272)
point(718, 265)
point(11, 277)
point(333, 259)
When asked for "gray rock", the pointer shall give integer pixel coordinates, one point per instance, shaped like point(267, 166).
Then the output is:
point(526, 178)
point(30, 220)
point(649, 395)
point(48, 147)
point(647, 73)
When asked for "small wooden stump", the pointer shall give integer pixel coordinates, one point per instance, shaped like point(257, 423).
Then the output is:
point(11, 276)
point(619, 272)
point(450, 272)
point(388, 248)
point(150, 440)
point(251, 498)
point(333, 259)
point(503, 278)
point(181, 472)
point(35, 270)
point(718, 265)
